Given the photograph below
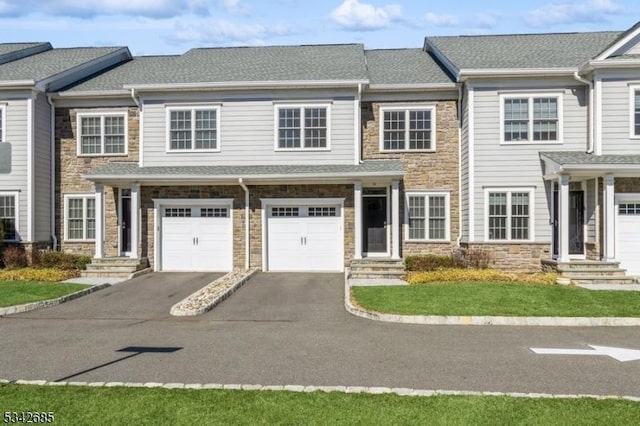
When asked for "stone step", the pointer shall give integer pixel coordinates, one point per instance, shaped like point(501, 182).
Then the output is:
point(375, 274)
point(376, 270)
point(379, 260)
point(602, 272)
point(120, 261)
point(590, 279)
point(580, 265)
point(103, 274)
point(105, 268)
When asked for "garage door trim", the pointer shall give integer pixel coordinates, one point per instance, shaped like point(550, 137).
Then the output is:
point(160, 203)
point(295, 202)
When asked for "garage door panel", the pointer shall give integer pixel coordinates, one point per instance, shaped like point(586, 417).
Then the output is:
point(628, 239)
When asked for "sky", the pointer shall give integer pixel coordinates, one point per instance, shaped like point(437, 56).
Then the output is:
point(158, 27)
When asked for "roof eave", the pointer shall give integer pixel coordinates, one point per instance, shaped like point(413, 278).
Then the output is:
point(621, 41)
point(411, 87)
point(17, 84)
point(610, 64)
point(91, 94)
point(450, 66)
point(468, 73)
point(245, 85)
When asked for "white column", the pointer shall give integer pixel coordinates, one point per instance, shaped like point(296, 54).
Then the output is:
point(357, 213)
point(609, 217)
point(395, 220)
point(563, 218)
point(135, 219)
point(99, 251)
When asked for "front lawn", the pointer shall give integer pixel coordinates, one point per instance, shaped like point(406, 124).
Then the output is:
point(20, 292)
point(497, 299)
point(84, 405)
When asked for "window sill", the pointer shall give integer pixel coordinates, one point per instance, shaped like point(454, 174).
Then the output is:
point(510, 242)
point(192, 151)
point(429, 241)
point(103, 155)
point(302, 150)
point(79, 241)
point(405, 151)
point(531, 143)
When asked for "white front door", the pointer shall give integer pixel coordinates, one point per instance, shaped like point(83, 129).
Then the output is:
point(197, 239)
point(628, 244)
point(305, 238)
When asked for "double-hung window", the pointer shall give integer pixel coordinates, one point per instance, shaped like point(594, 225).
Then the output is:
point(407, 128)
point(193, 129)
point(304, 127)
point(102, 133)
point(634, 120)
point(80, 217)
point(427, 216)
point(531, 118)
point(9, 215)
point(509, 214)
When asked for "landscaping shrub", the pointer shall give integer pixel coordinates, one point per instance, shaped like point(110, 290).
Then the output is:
point(61, 260)
point(37, 274)
point(14, 257)
point(485, 275)
point(428, 262)
point(472, 258)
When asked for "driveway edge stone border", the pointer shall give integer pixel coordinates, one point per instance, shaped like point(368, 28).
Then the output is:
point(358, 311)
point(307, 389)
point(212, 294)
point(18, 309)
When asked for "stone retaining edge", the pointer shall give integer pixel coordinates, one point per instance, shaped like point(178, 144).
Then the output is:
point(18, 309)
point(178, 312)
point(306, 389)
point(484, 320)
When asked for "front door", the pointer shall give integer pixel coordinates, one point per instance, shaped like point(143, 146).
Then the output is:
point(125, 222)
point(576, 223)
point(374, 217)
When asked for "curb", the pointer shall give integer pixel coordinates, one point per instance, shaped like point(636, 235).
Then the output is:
point(177, 311)
point(306, 389)
point(485, 320)
point(27, 307)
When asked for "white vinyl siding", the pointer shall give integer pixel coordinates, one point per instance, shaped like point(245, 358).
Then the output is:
point(407, 128)
point(618, 114)
point(531, 118)
point(302, 127)
point(634, 107)
point(102, 134)
point(427, 216)
point(80, 217)
point(247, 130)
point(509, 214)
point(193, 129)
point(9, 215)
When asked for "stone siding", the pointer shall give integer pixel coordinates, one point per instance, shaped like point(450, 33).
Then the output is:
point(627, 185)
point(69, 171)
point(423, 170)
point(515, 257)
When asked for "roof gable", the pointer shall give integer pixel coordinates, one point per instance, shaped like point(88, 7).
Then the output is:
point(14, 51)
point(397, 68)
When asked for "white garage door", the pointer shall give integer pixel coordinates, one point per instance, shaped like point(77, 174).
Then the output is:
point(197, 239)
point(628, 249)
point(305, 238)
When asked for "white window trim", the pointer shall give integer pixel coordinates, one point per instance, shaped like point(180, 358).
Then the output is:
point(406, 109)
point(632, 129)
point(426, 195)
point(300, 106)
point(102, 115)
point(65, 215)
point(3, 118)
point(509, 190)
point(16, 196)
point(193, 109)
point(530, 96)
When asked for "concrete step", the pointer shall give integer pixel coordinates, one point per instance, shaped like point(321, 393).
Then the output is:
point(603, 272)
point(590, 279)
point(375, 274)
point(580, 265)
point(377, 260)
point(102, 274)
point(120, 261)
point(107, 268)
point(374, 267)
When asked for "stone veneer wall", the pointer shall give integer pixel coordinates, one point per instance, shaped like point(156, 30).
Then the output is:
point(516, 257)
point(70, 168)
point(423, 170)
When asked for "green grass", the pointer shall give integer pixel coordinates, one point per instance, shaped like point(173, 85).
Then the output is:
point(19, 292)
point(498, 299)
point(83, 405)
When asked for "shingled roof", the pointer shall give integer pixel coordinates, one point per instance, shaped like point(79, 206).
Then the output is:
point(13, 51)
point(404, 67)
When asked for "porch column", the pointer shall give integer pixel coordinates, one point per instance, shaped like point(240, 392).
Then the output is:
point(395, 220)
point(563, 218)
point(357, 213)
point(609, 252)
point(135, 215)
point(99, 249)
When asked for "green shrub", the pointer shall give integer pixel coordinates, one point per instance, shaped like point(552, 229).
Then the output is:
point(485, 275)
point(473, 257)
point(14, 257)
point(63, 261)
point(37, 274)
point(428, 262)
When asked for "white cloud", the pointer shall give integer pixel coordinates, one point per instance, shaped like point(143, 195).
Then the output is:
point(572, 12)
point(441, 20)
point(236, 7)
point(227, 33)
point(353, 15)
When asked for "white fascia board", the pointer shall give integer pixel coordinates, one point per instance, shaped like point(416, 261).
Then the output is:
point(17, 84)
point(465, 74)
point(244, 85)
point(430, 47)
point(412, 87)
point(93, 94)
point(617, 45)
point(610, 64)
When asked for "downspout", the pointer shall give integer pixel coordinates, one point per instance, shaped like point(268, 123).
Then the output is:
point(358, 131)
point(589, 83)
point(52, 163)
point(246, 224)
point(460, 94)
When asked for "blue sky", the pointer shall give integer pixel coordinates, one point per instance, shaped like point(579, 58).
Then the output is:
point(174, 26)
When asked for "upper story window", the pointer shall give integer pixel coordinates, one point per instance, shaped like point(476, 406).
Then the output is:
point(427, 216)
point(509, 214)
point(531, 118)
point(302, 127)
point(102, 133)
point(635, 111)
point(408, 128)
point(9, 215)
point(193, 129)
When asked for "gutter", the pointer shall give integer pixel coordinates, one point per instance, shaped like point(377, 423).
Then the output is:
point(232, 178)
point(52, 162)
point(460, 94)
point(513, 72)
point(245, 84)
point(589, 83)
point(358, 125)
point(247, 240)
